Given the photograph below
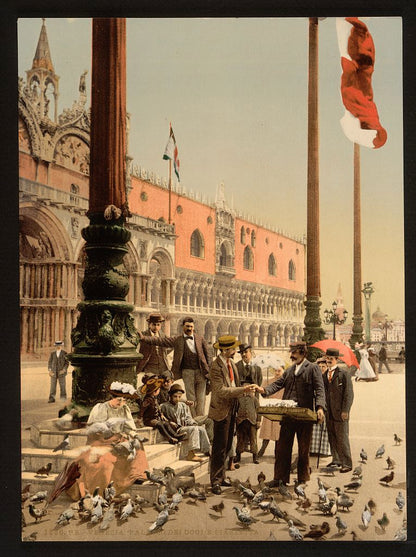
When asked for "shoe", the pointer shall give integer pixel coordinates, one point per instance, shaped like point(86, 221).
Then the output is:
point(345, 469)
point(216, 490)
point(273, 483)
point(173, 441)
point(334, 465)
point(226, 482)
point(236, 466)
point(51, 400)
point(255, 460)
point(193, 458)
point(181, 436)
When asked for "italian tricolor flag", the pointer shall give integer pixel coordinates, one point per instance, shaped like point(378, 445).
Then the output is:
point(171, 152)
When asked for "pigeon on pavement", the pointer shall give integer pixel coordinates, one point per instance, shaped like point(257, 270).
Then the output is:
point(387, 479)
point(244, 518)
point(363, 456)
point(390, 463)
point(283, 490)
point(107, 517)
point(127, 510)
point(400, 501)
point(218, 508)
point(294, 532)
point(35, 513)
point(380, 451)
point(353, 485)
point(44, 470)
point(65, 517)
point(366, 516)
point(397, 439)
point(372, 506)
point(357, 472)
point(300, 492)
point(97, 513)
point(161, 519)
point(341, 525)
point(38, 496)
point(63, 446)
point(318, 532)
point(383, 522)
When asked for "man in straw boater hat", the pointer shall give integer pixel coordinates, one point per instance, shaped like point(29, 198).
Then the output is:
point(57, 369)
point(155, 358)
point(225, 390)
point(339, 397)
point(190, 362)
point(303, 383)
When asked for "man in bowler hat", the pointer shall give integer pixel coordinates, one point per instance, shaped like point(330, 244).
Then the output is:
point(339, 397)
point(303, 383)
point(155, 358)
point(190, 362)
point(57, 369)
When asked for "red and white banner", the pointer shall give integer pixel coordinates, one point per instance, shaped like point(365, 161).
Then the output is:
point(360, 123)
point(171, 152)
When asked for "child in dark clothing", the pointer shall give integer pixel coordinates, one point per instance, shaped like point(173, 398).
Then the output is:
point(152, 415)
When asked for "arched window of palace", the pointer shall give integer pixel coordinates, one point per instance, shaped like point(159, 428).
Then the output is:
point(248, 259)
point(272, 265)
point(243, 235)
point(253, 238)
point(292, 270)
point(197, 244)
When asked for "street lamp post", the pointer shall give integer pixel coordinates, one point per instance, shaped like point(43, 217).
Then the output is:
point(367, 291)
point(331, 316)
point(388, 324)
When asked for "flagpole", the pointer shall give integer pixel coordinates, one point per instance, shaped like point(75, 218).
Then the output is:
point(170, 191)
point(357, 328)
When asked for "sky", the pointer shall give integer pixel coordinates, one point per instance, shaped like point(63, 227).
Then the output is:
point(235, 91)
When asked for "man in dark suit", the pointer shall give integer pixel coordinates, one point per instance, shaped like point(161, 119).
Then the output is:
point(303, 383)
point(226, 389)
point(155, 358)
point(190, 362)
point(339, 397)
point(247, 419)
point(58, 368)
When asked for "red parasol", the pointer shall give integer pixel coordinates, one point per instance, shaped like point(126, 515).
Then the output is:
point(348, 355)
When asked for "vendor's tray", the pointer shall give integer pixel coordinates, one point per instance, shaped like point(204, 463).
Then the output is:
point(278, 413)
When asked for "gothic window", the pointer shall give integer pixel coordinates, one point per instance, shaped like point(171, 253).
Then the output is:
point(272, 265)
point(226, 256)
point(253, 239)
point(197, 244)
point(292, 270)
point(243, 235)
point(248, 259)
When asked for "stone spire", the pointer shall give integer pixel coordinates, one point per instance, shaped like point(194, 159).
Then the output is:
point(42, 57)
point(42, 81)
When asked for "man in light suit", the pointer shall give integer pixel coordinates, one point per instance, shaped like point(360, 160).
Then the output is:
point(225, 390)
point(303, 383)
point(190, 362)
point(57, 369)
point(155, 358)
point(339, 397)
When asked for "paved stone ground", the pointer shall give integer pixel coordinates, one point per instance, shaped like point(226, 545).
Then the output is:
point(378, 412)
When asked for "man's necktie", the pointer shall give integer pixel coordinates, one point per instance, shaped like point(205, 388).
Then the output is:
point(330, 374)
point(230, 370)
point(189, 338)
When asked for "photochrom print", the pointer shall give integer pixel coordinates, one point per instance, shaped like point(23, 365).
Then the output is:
point(212, 279)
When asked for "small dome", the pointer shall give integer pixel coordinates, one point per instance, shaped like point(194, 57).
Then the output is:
point(378, 315)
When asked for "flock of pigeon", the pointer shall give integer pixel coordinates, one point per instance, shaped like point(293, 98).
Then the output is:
point(333, 504)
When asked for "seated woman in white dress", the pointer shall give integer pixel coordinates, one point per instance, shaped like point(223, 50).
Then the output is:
point(114, 450)
point(365, 372)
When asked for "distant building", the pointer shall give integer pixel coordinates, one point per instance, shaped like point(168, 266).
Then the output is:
point(230, 273)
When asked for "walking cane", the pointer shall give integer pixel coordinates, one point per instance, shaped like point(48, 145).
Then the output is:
point(320, 443)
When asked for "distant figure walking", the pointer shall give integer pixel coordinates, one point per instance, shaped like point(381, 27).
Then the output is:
point(382, 358)
point(58, 368)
